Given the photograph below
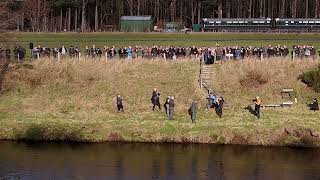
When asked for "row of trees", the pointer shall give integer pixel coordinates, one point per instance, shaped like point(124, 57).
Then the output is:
point(97, 15)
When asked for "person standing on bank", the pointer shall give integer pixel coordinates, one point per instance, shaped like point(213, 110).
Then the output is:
point(155, 99)
point(120, 103)
point(257, 106)
point(166, 106)
point(193, 111)
point(219, 107)
point(171, 108)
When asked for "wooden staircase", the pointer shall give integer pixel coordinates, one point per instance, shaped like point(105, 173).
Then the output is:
point(205, 78)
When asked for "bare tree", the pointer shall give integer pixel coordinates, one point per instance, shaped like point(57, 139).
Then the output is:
point(83, 15)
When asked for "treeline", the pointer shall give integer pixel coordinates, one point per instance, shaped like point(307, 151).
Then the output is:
point(104, 15)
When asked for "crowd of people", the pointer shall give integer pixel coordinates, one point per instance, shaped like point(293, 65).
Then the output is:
point(209, 54)
point(19, 53)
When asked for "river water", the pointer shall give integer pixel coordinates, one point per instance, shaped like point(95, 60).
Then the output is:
point(36, 161)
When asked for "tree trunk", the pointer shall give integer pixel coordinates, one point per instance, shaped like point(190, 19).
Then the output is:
point(69, 19)
point(316, 11)
point(199, 12)
point(283, 8)
point(96, 20)
point(307, 8)
point(193, 12)
point(138, 9)
point(38, 15)
point(228, 7)
point(83, 15)
point(220, 9)
point(250, 9)
point(261, 9)
point(61, 19)
point(294, 9)
point(22, 21)
point(131, 7)
point(76, 19)
point(264, 8)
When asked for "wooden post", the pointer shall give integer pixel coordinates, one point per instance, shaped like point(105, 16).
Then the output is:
point(293, 55)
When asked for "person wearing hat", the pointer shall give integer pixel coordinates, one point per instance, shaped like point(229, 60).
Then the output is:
point(257, 106)
point(314, 106)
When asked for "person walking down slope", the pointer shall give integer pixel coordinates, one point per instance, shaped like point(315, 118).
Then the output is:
point(155, 99)
point(120, 103)
point(257, 106)
point(193, 111)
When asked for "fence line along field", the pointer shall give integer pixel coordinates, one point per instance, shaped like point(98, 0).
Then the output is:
point(74, 101)
point(163, 39)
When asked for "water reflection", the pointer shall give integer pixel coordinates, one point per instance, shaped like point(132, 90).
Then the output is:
point(141, 161)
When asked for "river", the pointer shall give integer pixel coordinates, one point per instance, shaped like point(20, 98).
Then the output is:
point(116, 161)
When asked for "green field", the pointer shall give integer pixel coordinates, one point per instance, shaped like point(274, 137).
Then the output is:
point(74, 101)
point(142, 39)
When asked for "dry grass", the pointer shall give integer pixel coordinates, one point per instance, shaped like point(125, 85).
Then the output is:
point(74, 100)
point(276, 75)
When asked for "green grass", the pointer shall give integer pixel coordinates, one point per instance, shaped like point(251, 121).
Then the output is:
point(142, 39)
point(74, 101)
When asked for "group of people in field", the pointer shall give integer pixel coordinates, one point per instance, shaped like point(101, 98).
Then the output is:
point(208, 54)
point(155, 100)
point(214, 102)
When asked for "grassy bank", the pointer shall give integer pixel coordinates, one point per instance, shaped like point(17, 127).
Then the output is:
point(69, 100)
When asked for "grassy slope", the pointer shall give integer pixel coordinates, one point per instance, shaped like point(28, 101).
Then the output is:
point(74, 101)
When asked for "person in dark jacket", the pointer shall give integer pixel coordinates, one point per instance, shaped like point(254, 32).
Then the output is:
point(171, 108)
point(120, 103)
point(155, 99)
point(257, 106)
point(193, 111)
point(219, 107)
point(7, 51)
point(314, 106)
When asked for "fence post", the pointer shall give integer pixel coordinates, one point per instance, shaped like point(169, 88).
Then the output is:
point(200, 74)
point(293, 55)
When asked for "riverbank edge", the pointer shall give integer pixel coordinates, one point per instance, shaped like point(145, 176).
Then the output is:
point(298, 137)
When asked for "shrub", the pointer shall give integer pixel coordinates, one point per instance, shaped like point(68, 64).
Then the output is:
point(253, 78)
point(312, 79)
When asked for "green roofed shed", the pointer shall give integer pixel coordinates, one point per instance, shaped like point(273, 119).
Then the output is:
point(136, 23)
